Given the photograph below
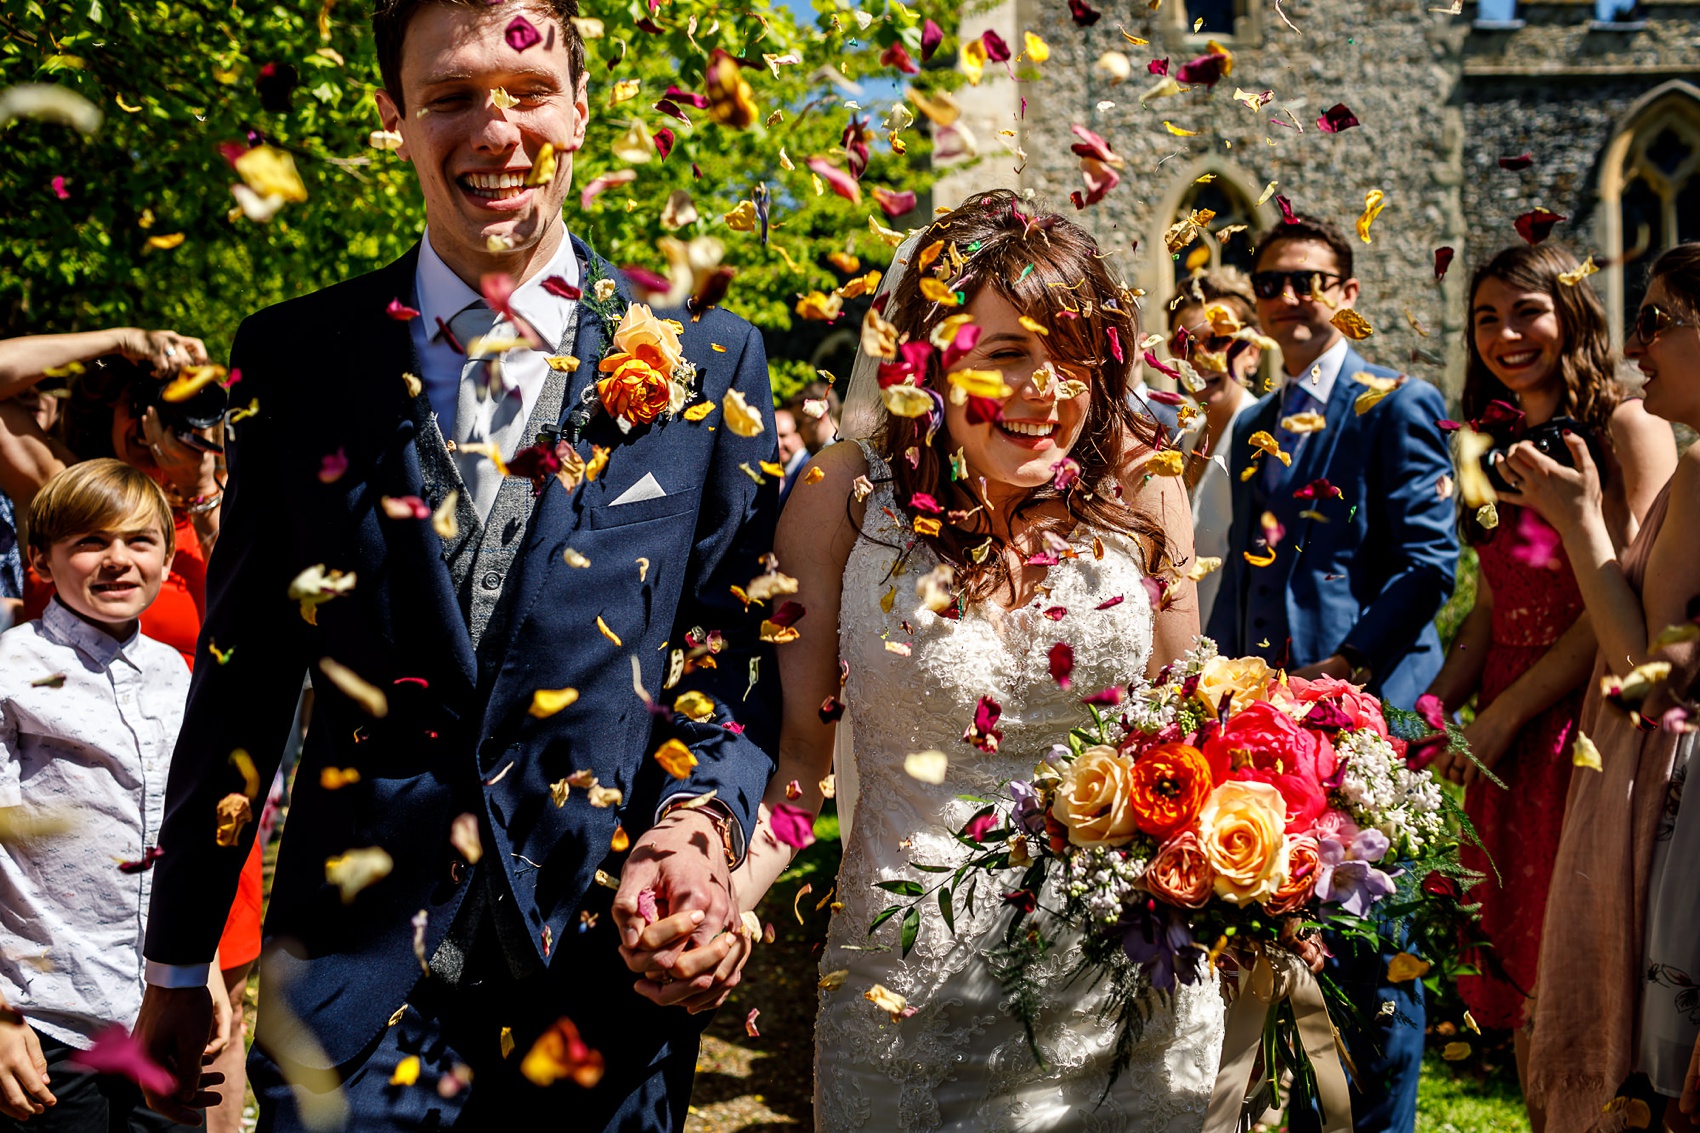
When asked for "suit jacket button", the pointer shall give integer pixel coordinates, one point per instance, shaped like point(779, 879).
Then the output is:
point(492, 581)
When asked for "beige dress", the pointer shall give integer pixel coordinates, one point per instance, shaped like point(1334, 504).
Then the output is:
point(1590, 978)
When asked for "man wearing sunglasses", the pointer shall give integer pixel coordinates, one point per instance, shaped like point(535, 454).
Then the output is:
point(1337, 564)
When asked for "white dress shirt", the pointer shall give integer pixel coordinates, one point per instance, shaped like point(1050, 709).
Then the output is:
point(1213, 512)
point(1319, 378)
point(442, 295)
point(87, 727)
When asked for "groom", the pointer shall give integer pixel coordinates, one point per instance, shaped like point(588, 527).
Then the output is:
point(497, 656)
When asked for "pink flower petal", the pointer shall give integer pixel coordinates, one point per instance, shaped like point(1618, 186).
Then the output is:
point(646, 906)
point(981, 825)
point(521, 35)
point(793, 826)
point(664, 139)
point(115, 1052)
point(333, 466)
point(898, 56)
point(605, 182)
point(1336, 118)
point(931, 36)
point(996, 49)
point(400, 311)
point(750, 1023)
point(59, 189)
point(894, 204)
point(841, 182)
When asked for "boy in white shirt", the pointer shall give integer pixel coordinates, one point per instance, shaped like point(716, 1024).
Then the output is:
point(89, 713)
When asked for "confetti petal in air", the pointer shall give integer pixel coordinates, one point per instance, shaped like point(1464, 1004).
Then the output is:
point(1536, 225)
point(1336, 118)
point(931, 36)
point(1083, 14)
point(1351, 324)
point(1442, 261)
point(894, 204)
point(731, 101)
point(740, 417)
point(116, 1052)
point(898, 56)
point(357, 870)
point(1061, 661)
point(1374, 201)
point(400, 311)
point(928, 767)
point(793, 826)
point(1517, 164)
point(560, 1053)
point(842, 183)
point(1209, 69)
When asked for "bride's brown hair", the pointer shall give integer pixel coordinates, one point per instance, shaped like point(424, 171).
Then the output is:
point(1049, 269)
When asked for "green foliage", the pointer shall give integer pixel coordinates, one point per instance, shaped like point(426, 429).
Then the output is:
point(176, 80)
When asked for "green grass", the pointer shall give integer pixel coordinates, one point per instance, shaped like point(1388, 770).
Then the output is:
point(1452, 1102)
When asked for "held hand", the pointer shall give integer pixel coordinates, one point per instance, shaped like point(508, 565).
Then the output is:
point(1332, 666)
point(702, 977)
point(173, 1028)
point(165, 350)
point(23, 1069)
point(681, 862)
point(1564, 497)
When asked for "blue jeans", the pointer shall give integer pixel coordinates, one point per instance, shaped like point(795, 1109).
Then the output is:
point(1387, 1050)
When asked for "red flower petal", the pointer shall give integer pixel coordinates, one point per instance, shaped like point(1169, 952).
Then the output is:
point(1083, 14)
point(1158, 66)
point(1442, 261)
point(1336, 118)
point(894, 204)
point(663, 138)
point(400, 311)
point(931, 36)
point(841, 182)
point(1517, 164)
point(1536, 225)
point(557, 285)
point(898, 56)
point(1061, 658)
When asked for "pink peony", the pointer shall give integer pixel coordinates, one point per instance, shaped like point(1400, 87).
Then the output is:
point(1262, 744)
point(1364, 709)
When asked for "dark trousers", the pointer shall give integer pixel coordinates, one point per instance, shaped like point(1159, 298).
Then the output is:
point(88, 1102)
point(1388, 1050)
point(649, 1053)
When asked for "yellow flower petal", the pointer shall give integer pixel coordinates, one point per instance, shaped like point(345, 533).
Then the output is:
point(502, 99)
point(676, 759)
point(972, 59)
point(698, 411)
point(1405, 967)
point(1309, 421)
point(1178, 131)
point(1583, 753)
point(980, 383)
point(1351, 324)
point(1374, 201)
point(1037, 49)
point(542, 167)
point(904, 400)
point(740, 417)
point(1260, 560)
point(1264, 442)
point(1169, 462)
point(694, 705)
point(545, 702)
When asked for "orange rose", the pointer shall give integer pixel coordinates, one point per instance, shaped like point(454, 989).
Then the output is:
point(1303, 856)
point(1180, 874)
point(1241, 829)
point(1092, 799)
point(1168, 787)
point(634, 389)
point(654, 340)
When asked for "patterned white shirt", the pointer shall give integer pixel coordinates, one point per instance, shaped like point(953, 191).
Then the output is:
point(87, 726)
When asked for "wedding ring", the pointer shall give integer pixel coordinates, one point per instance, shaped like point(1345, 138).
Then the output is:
point(171, 352)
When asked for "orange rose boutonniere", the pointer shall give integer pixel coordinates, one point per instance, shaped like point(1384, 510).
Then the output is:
point(648, 376)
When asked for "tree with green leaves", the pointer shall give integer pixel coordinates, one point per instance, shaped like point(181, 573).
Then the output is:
point(154, 217)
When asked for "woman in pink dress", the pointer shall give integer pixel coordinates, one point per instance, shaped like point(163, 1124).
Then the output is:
point(1538, 353)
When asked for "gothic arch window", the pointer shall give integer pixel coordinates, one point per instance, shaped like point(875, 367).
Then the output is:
point(1225, 20)
point(1225, 193)
point(1650, 191)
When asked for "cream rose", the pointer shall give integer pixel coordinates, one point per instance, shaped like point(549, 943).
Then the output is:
point(654, 340)
point(1245, 679)
point(1092, 799)
point(1242, 827)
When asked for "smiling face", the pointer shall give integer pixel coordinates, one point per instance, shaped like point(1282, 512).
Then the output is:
point(1671, 362)
point(1519, 336)
point(1299, 322)
point(107, 578)
point(1038, 427)
point(470, 154)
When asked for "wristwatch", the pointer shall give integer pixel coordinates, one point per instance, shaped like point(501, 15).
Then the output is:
point(716, 812)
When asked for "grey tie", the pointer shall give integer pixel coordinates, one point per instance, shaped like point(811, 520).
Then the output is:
point(486, 411)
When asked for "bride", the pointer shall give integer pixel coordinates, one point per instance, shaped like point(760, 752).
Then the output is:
point(1027, 519)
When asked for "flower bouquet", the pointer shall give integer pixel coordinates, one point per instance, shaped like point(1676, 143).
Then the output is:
point(1214, 819)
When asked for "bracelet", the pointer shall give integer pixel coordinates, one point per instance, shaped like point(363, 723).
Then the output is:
point(200, 505)
point(712, 810)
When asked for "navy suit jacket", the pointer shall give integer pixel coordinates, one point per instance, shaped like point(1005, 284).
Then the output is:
point(1369, 571)
point(326, 371)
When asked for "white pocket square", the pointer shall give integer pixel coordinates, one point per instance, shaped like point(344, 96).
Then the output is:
point(646, 489)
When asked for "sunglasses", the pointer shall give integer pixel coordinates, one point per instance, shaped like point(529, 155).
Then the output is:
point(1272, 284)
point(1650, 322)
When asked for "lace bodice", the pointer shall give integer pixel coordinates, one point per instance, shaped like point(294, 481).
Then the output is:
point(915, 678)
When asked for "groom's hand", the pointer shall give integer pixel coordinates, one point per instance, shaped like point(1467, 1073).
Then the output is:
point(173, 1029)
point(681, 862)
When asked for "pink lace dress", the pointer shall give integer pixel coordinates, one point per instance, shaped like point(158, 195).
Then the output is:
point(1535, 599)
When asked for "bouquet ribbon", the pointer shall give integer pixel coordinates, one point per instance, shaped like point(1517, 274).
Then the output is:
point(1278, 975)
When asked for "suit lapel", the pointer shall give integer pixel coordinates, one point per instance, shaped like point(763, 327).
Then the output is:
point(1318, 451)
point(395, 412)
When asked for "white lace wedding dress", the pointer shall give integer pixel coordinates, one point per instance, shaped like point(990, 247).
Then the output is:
point(962, 1061)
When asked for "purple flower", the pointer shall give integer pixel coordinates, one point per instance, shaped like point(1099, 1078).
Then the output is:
point(1353, 883)
point(521, 35)
point(1028, 814)
point(1155, 941)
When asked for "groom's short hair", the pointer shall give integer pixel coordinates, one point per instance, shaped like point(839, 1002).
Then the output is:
point(391, 17)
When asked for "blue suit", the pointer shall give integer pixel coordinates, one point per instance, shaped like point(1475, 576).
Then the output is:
point(1369, 571)
point(327, 373)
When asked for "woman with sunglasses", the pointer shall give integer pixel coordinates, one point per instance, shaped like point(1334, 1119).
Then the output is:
point(1206, 313)
point(1539, 350)
point(1608, 991)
